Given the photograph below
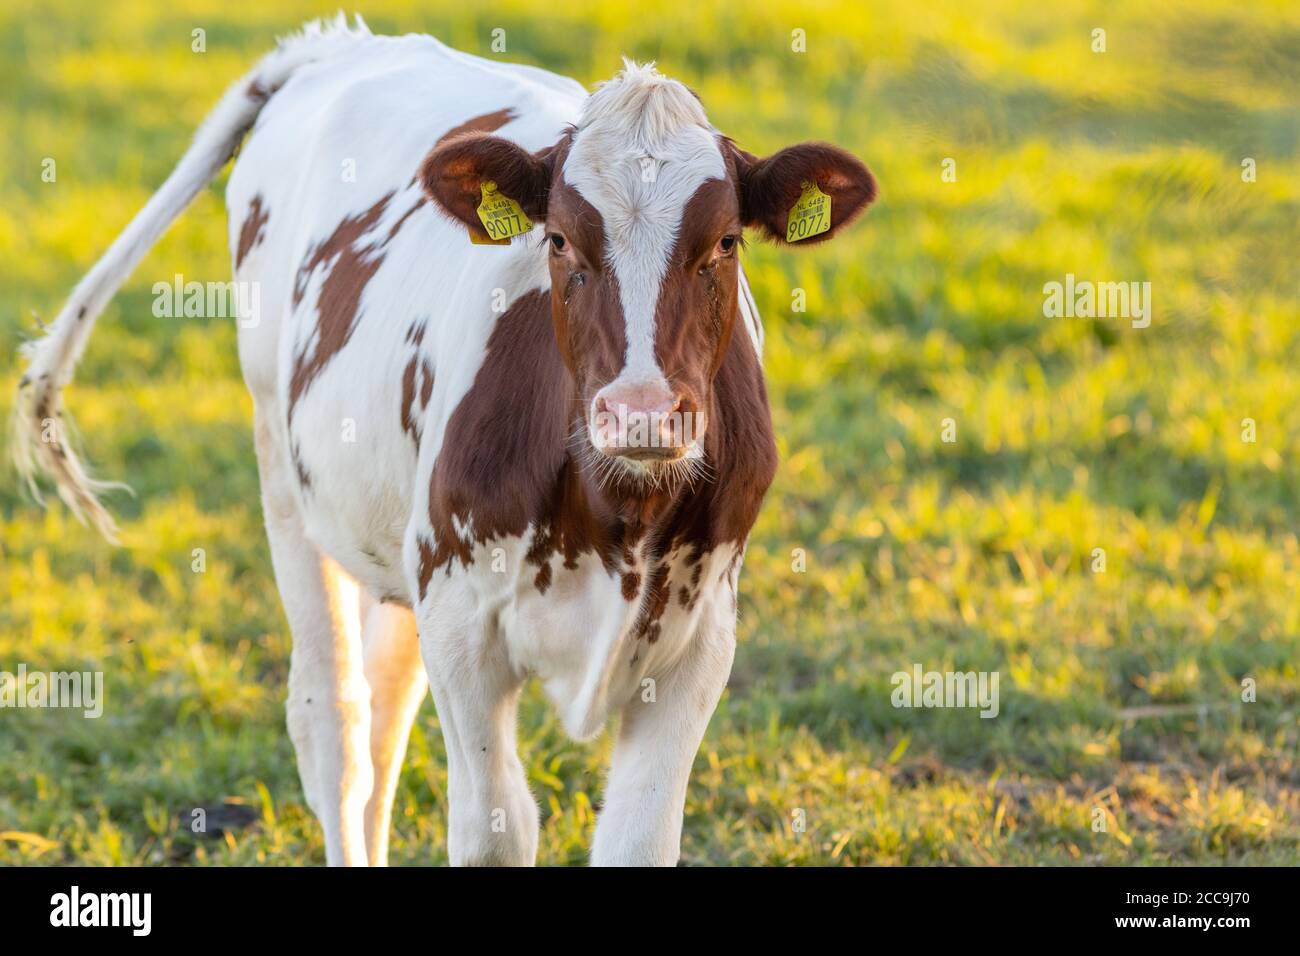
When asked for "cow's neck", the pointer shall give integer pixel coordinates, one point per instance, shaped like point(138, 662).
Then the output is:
point(632, 511)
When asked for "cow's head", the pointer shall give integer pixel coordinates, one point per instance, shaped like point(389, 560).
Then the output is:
point(644, 203)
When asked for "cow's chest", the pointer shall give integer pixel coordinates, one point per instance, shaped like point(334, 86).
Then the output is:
point(596, 636)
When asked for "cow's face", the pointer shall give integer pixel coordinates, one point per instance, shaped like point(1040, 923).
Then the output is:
point(643, 205)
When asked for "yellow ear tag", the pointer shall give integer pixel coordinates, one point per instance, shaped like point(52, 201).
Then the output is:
point(501, 216)
point(810, 215)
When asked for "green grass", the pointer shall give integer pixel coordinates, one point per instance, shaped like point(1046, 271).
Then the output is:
point(1120, 690)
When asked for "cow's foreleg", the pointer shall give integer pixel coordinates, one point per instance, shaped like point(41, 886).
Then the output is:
point(641, 823)
point(329, 701)
point(397, 686)
point(492, 815)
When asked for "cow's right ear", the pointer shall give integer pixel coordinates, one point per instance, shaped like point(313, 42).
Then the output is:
point(454, 173)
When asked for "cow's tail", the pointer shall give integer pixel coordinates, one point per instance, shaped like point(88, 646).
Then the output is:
point(40, 441)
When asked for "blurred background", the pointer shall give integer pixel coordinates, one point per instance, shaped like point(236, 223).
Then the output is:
point(880, 546)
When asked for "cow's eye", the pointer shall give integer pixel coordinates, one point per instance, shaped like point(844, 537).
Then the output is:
point(725, 249)
point(557, 242)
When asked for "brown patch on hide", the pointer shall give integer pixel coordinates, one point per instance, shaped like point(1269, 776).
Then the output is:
point(425, 571)
point(417, 381)
point(253, 231)
point(259, 93)
point(352, 262)
point(543, 579)
point(656, 602)
point(304, 478)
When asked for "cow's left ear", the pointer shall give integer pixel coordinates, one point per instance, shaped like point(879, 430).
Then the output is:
point(771, 188)
point(454, 174)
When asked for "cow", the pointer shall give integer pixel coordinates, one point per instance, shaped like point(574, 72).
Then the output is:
point(509, 411)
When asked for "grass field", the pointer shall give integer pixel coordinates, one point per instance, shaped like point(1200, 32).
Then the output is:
point(1121, 691)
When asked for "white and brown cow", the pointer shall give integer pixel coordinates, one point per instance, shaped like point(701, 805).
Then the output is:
point(456, 477)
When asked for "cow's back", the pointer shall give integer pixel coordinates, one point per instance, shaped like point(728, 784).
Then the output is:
point(374, 308)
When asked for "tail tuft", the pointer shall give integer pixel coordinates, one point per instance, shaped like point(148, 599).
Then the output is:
point(41, 443)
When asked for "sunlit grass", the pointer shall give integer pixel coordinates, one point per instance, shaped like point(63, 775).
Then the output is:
point(1121, 690)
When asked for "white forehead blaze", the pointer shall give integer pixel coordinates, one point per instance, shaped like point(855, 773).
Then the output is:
point(641, 150)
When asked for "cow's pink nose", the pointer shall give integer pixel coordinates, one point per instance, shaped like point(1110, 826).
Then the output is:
point(639, 420)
